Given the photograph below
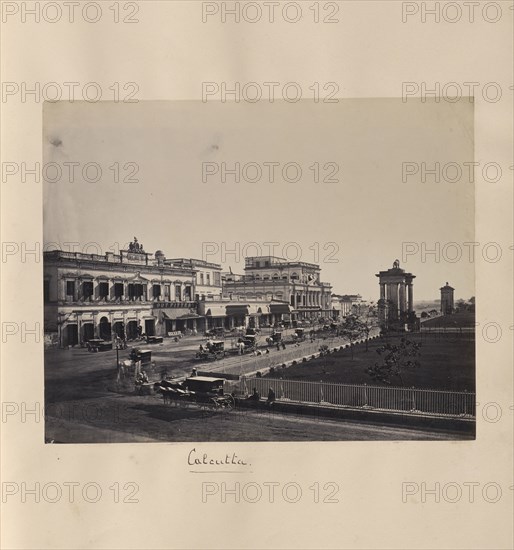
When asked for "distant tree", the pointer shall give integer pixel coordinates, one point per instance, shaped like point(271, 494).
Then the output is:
point(370, 321)
point(354, 328)
point(460, 305)
point(395, 360)
point(424, 315)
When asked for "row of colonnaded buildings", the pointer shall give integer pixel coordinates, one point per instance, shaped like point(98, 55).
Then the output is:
point(89, 296)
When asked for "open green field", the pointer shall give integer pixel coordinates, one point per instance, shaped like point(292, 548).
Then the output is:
point(447, 361)
point(465, 319)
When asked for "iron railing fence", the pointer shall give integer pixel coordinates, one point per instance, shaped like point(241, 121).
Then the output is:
point(399, 399)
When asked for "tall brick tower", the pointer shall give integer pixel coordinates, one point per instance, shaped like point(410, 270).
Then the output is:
point(447, 306)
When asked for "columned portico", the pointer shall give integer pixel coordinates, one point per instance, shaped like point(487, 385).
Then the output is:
point(396, 295)
point(410, 298)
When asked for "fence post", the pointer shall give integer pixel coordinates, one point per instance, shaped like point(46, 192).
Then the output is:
point(413, 399)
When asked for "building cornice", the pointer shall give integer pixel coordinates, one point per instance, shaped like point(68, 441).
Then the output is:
point(85, 265)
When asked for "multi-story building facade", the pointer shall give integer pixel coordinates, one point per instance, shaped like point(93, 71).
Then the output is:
point(93, 296)
point(347, 304)
point(207, 277)
point(295, 284)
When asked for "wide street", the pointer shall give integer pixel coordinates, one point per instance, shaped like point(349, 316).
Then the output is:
point(77, 372)
point(82, 404)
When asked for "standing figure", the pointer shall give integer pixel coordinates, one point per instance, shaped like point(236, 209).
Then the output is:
point(271, 397)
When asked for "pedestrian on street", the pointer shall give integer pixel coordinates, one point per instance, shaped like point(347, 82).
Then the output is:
point(271, 397)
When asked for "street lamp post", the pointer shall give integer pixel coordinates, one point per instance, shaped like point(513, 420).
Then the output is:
point(117, 352)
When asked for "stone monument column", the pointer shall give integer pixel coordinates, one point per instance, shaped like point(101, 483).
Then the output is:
point(403, 304)
point(392, 296)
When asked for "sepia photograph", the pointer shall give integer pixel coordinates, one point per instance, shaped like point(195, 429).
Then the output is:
point(229, 271)
point(256, 281)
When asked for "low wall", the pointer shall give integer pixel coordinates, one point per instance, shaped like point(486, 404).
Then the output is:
point(465, 426)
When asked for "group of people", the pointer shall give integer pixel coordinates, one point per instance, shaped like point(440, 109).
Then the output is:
point(141, 378)
point(120, 343)
point(256, 396)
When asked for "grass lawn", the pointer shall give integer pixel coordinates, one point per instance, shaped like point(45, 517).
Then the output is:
point(447, 362)
point(465, 319)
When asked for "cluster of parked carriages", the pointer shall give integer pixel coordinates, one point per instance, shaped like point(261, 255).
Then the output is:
point(203, 390)
point(215, 349)
point(97, 344)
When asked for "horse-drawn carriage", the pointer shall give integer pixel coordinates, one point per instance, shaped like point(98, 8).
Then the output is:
point(218, 332)
point(97, 344)
point(202, 390)
point(143, 355)
point(299, 335)
point(250, 342)
point(275, 338)
point(214, 349)
point(154, 339)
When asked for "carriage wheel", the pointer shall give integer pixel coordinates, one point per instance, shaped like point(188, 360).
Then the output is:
point(214, 403)
point(229, 403)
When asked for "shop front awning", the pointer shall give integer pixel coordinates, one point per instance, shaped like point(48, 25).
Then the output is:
point(177, 313)
point(280, 309)
point(216, 311)
point(249, 309)
point(189, 316)
point(237, 309)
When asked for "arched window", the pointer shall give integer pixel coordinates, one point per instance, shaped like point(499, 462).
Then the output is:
point(104, 329)
point(294, 276)
point(275, 276)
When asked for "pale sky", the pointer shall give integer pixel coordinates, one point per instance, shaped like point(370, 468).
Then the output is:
point(367, 214)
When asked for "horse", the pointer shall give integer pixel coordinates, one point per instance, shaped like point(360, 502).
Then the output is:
point(170, 391)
